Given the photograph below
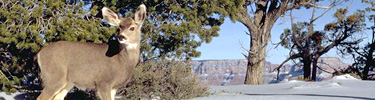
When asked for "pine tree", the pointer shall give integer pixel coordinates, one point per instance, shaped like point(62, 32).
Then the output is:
point(364, 56)
point(308, 45)
point(173, 29)
point(259, 16)
point(27, 25)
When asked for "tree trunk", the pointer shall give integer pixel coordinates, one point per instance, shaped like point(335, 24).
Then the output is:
point(259, 26)
point(256, 60)
point(369, 62)
point(369, 58)
point(315, 66)
point(253, 75)
point(313, 74)
point(306, 68)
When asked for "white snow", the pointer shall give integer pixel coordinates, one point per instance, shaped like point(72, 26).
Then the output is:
point(291, 81)
point(13, 96)
point(343, 87)
point(345, 77)
point(323, 76)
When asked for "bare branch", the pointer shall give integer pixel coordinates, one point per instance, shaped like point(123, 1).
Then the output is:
point(340, 32)
point(334, 42)
point(245, 55)
point(317, 6)
point(330, 7)
point(326, 49)
point(359, 53)
point(241, 44)
point(324, 70)
point(307, 3)
point(286, 60)
point(298, 44)
point(328, 66)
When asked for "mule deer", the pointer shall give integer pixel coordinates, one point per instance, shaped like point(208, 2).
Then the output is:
point(103, 67)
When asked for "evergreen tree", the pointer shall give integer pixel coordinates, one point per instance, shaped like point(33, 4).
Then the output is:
point(27, 25)
point(309, 45)
point(364, 56)
point(173, 29)
point(259, 16)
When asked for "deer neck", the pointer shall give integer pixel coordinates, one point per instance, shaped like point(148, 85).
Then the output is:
point(130, 52)
point(126, 51)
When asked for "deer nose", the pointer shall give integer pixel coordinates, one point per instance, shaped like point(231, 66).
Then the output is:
point(121, 37)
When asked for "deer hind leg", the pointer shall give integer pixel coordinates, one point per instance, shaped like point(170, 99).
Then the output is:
point(50, 91)
point(63, 92)
point(105, 93)
point(54, 80)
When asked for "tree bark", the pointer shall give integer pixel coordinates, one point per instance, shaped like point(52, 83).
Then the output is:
point(260, 25)
point(253, 75)
point(369, 57)
point(369, 62)
point(315, 66)
point(306, 68)
point(256, 60)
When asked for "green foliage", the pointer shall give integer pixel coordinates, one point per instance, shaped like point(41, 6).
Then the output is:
point(307, 44)
point(173, 28)
point(363, 56)
point(299, 29)
point(259, 17)
point(344, 27)
point(164, 80)
point(28, 24)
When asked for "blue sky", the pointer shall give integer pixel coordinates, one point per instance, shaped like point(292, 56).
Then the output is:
point(228, 44)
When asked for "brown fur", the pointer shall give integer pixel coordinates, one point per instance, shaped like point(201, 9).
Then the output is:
point(66, 64)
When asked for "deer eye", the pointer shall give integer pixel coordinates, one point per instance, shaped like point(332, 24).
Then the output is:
point(131, 28)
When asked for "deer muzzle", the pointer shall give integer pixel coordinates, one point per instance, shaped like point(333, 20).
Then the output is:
point(122, 39)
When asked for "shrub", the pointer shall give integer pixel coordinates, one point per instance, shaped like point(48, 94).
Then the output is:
point(163, 80)
point(302, 79)
point(351, 70)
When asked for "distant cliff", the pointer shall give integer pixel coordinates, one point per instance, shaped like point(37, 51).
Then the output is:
point(232, 72)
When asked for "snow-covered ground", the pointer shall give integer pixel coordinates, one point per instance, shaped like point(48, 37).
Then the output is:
point(343, 87)
point(13, 96)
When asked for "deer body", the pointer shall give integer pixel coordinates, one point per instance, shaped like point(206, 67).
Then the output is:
point(85, 63)
point(104, 67)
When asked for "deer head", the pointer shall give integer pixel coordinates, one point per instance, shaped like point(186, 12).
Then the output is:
point(130, 29)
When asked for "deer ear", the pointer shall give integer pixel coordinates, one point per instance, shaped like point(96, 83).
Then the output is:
point(110, 17)
point(140, 15)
